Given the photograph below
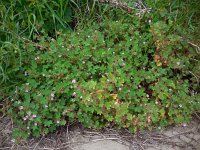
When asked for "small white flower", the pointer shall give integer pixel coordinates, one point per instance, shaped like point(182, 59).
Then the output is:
point(147, 95)
point(123, 64)
point(178, 63)
point(73, 81)
point(27, 84)
point(139, 86)
point(122, 53)
point(28, 127)
point(180, 106)
point(108, 80)
point(156, 102)
point(21, 107)
point(74, 94)
point(144, 43)
point(170, 89)
point(159, 128)
point(52, 39)
point(34, 116)
point(25, 118)
point(184, 125)
point(120, 89)
point(37, 58)
point(52, 94)
point(58, 121)
point(108, 48)
point(59, 55)
point(35, 123)
point(25, 73)
point(63, 46)
point(149, 20)
point(83, 62)
point(26, 90)
point(13, 140)
point(129, 91)
point(19, 102)
point(46, 106)
point(113, 52)
point(81, 97)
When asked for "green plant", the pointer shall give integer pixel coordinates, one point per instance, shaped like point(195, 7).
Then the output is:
point(23, 20)
point(122, 72)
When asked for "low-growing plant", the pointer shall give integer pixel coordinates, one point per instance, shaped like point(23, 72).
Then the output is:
point(116, 73)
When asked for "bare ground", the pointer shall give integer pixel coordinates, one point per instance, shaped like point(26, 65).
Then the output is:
point(74, 137)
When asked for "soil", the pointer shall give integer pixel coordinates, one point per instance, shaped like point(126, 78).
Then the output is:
point(75, 137)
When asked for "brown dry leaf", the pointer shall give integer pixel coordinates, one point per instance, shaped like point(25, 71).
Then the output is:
point(148, 120)
point(157, 58)
point(114, 96)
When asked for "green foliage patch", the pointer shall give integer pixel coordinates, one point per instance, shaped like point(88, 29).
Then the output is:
point(126, 73)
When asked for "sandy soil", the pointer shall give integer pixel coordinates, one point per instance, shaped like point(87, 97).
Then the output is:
point(74, 137)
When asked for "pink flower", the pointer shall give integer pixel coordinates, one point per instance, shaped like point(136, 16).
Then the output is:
point(73, 81)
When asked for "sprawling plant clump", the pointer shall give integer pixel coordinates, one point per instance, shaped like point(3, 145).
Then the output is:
point(117, 73)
